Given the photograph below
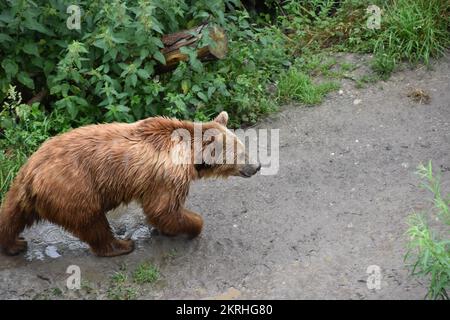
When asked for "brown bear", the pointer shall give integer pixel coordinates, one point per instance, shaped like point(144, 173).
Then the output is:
point(75, 178)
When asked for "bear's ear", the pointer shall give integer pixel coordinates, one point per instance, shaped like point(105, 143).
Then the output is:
point(222, 118)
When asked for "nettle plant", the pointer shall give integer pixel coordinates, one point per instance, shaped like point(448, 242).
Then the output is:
point(105, 70)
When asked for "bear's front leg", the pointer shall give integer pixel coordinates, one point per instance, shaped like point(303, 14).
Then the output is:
point(97, 233)
point(183, 221)
point(193, 222)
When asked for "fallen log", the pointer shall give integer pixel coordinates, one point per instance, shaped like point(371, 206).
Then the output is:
point(190, 38)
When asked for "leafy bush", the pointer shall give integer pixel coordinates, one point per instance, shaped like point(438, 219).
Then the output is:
point(429, 254)
point(23, 129)
point(104, 71)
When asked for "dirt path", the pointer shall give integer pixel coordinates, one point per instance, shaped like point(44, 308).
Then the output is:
point(337, 206)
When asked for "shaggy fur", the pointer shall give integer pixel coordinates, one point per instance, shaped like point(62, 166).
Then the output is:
point(75, 178)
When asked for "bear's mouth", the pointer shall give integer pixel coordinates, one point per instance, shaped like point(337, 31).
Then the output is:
point(245, 174)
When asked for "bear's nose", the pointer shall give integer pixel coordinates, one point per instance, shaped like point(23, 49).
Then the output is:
point(259, 167)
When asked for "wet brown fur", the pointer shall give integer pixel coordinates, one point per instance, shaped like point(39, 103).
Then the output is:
point(75, 178)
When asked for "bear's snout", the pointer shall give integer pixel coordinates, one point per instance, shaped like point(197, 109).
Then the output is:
point(249, 170)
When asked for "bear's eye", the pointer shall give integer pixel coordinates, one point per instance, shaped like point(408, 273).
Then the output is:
point(210, 139)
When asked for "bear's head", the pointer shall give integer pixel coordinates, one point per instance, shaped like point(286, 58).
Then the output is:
point(222, 153)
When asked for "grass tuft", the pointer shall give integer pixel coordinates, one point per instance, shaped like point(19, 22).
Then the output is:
point(412, 30)
point(145, 273)
point(298, 86)
point(119, 288)
point(428, 254)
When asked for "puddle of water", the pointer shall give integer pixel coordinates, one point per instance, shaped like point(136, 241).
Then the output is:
point(49, 240)
point(143, 232)
point(52, 252)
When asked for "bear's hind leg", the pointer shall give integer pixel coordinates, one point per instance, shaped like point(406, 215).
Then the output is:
point(183, 222)
point(12, 223)
point(13, 220)
point(98, 235)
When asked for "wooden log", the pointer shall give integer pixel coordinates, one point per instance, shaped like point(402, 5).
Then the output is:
point(190, 38)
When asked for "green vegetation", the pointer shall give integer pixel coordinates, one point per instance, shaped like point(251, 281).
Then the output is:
point(413, 31)
point(106, 71)
point(145, 273)
point(297, 85)
point(53, 293)
point(429, 248)
point(121, 288)
point(57, 292)
point(366, 79)
point(23, 129)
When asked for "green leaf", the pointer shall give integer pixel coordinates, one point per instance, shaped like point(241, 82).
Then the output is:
point(100, 43)
point(133, 79)
point(160, 57)
point(202, 96)
point(32, 24)
point(25, 79)
point(81, 101)
point(113, 53)
point(31, 48)
point(71, 108)
point(7, 123)
point(118, 40)
point(144, 53)
point(48, 66)
point(6, 17)
point(142, 73)
point(55, 89)
point(5, 38)
point(193, 61)
point(123, 108)
point(10, 67)
point(156, 27)
point(196, 65)
point(211, 90)
point(157, 42)
point(185, 84)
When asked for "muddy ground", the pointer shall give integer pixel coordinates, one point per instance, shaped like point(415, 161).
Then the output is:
point(337, 205)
